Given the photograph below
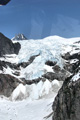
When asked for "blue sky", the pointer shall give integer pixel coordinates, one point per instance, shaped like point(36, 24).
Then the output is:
point(40, 18)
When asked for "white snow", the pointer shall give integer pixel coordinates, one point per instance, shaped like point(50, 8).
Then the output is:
point(37, 105)
point(74, 61)
point(76, 77)
point(10, 58)
point(74, 51)
point(48, 68)
point(25, 110)
point(8, 71)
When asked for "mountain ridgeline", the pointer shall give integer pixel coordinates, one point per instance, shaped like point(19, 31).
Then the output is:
point(7, 46)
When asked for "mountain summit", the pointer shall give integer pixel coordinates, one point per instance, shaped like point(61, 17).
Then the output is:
point(19, 37)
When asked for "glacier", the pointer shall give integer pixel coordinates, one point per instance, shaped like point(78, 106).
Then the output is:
point(49, 48)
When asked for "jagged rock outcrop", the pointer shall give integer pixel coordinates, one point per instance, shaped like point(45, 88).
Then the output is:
point(72, 61)
point(58, 73)
point(7, 84)
point(25, 64)
point(7, 46)
point(29, 82)
point(50, 63)
point(19, 37)
point(69, 56)
point(67, 103)
point(17, 47)
point(5, 64)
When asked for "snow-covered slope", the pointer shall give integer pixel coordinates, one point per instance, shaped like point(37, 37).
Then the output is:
point(38, 97)
point(26, 109)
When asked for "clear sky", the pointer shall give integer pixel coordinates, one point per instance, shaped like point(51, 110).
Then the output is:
point(40, 18)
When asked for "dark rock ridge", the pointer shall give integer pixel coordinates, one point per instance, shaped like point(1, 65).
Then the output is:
point(29, 82)
point(19, 37)
point(71, 66)
point(7, 84)
point(58, 73)
point(25, 64)
point(5, 64)
point(67, 103)
point(7, 47)
point(67, 56)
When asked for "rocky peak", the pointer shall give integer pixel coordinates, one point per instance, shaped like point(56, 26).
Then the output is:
point(19, 37)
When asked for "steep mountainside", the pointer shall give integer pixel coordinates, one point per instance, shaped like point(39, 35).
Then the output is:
point(35, 76)
point(67, 103)
point(7, 46)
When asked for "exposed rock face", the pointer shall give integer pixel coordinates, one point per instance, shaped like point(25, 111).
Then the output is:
point(50, 63)
point(7, 47)
point(67, 103)
point(71, 67)
point(7, 84)
point(58, 73)
point(25, 64)
point(73, 61)
point(19, 37)
point(67, 56)
point(6, 64)
point(17, 47)
point(29, 82)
